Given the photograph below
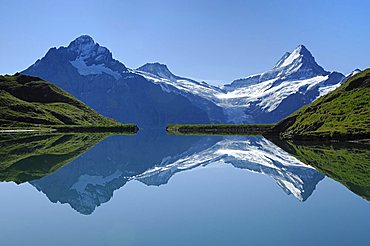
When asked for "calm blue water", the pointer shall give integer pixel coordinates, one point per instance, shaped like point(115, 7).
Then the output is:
point(157, 189)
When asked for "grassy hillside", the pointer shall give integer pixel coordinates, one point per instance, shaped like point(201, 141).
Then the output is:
point(25, 157)
point(344, 162)
point(342, 114)
point(30, 101)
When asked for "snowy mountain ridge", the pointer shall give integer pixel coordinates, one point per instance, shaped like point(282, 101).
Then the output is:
point(160, 74)
point(88, 71)
point(91, 58)
point(295, 80)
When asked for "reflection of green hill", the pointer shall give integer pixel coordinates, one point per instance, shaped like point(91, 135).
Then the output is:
point(346, 163)
point(29, 157)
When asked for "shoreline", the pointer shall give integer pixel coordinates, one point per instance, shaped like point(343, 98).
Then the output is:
point(129, 128)
point(266, 130)
point(218, 129)
point(18, 130)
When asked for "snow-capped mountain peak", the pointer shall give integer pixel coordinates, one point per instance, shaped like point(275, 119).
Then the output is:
point(296, 65)
point(83, 45)
point(299, 55)
point(295, 80)
point(92, 59)
point(282, 60)
point(299, 64)
point(157, 69)
point(86, 48)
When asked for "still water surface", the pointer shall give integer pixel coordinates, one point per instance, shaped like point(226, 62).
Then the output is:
point(159, 189)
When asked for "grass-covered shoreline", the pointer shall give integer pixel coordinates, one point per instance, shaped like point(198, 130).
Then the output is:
point(218, 129)
point(117, 128)
point(132, 128)
point(30, 104)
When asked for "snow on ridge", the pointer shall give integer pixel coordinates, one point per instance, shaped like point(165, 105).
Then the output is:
point(291, 58)
point(275, 95)
point(326, 89)
point(99, 58)
point(83, 45)
point(268, 95)
point(182, 84)
point(295, 73)
point(93, 69)
point(354, 72)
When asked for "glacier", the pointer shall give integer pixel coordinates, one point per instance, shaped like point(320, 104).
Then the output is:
point(260, 98)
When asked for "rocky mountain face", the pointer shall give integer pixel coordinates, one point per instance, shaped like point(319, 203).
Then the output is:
point(87, 70)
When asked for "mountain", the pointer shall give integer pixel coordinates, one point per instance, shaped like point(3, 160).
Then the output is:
point(294, 81)
point(160, 74)
point(341, 114)
point(152, 96)
point(291, 66)
point(87, 70)
point(26, 100)
point(200, 94)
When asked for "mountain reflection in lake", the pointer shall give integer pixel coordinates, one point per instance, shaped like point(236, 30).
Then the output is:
point(91, 179)
point(85, 170)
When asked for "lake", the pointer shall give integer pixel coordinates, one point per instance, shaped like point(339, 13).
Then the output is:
point(158, 189)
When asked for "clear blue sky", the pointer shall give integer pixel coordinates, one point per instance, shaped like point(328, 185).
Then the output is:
point(210, 40)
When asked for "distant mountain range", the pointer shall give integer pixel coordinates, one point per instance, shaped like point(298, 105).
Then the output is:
point(152, 96)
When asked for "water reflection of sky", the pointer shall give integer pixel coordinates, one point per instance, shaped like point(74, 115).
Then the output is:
point(165, 190)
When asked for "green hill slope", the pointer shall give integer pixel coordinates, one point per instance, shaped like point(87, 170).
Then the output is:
point(30, 101)
point(342, 114)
